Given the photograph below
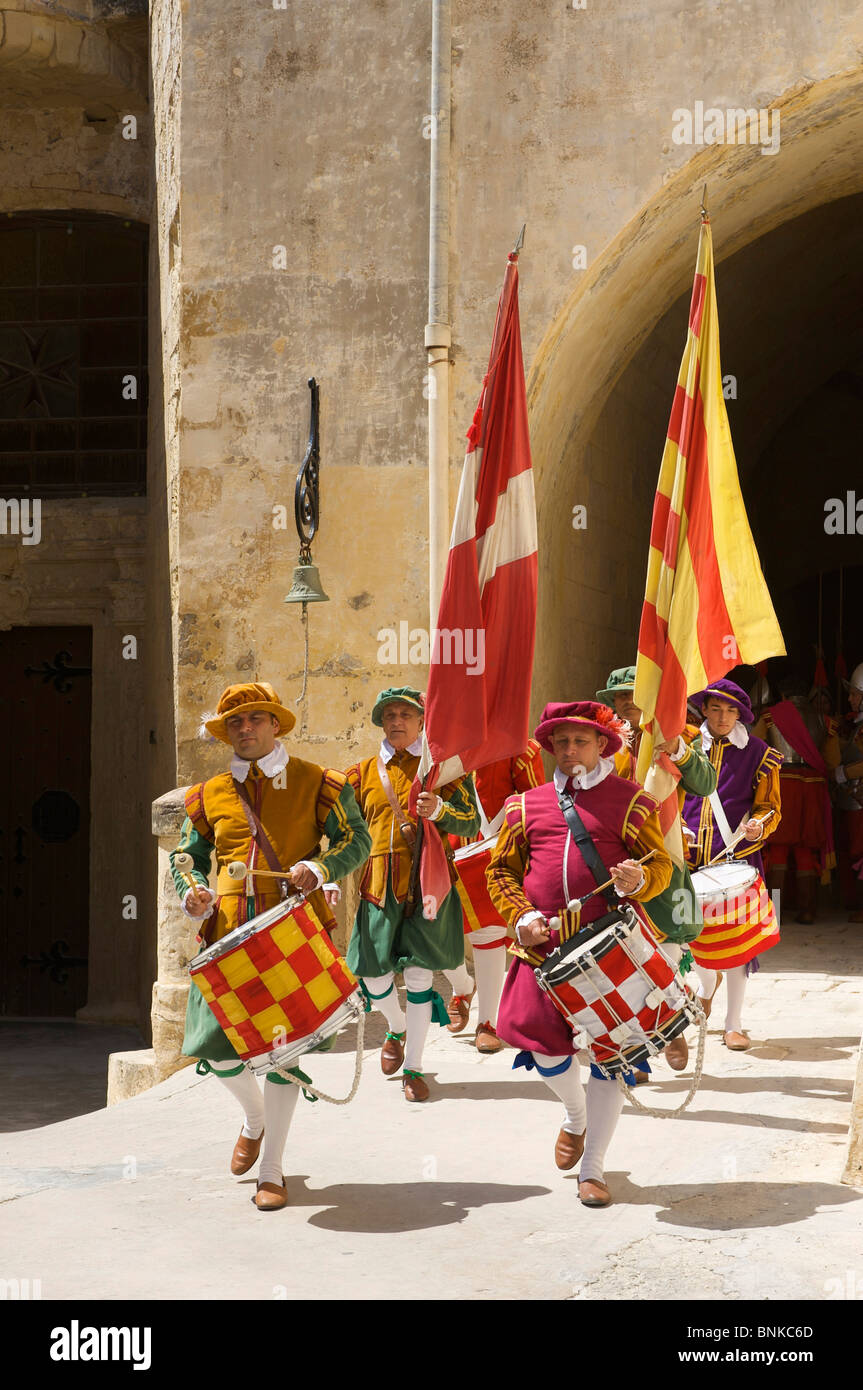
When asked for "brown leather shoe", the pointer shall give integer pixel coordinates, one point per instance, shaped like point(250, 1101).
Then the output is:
point(676, 1053)
point(568, 1149)
point(458, 1009)
point(737, 1042)
point(245, 1153)
point(392, 1053)
point(641, 1078)
point(414, 1086)
point(271, 1198)
point(593, 1193)
point(486, 1039)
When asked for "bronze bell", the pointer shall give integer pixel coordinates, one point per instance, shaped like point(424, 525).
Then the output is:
point(306, 586)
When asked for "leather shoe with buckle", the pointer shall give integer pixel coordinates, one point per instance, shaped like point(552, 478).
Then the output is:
point(458, 1009)
point(392, 1053)
point(269, 1197)
point(677, 1053)
point(737, 1042)
point(245, 1153)
point(414, 1086)
point(486, 1039)
point(568, 1149)
point(593, 1193)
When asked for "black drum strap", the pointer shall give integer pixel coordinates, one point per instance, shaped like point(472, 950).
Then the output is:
point(588, 849)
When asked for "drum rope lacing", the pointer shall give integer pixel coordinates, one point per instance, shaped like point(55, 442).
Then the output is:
point(693, 1086)
point(358, 1071)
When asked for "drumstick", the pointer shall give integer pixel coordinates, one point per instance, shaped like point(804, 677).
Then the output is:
point(575, 904)
point(183, 863)
point(738, 835)
point(237, 869)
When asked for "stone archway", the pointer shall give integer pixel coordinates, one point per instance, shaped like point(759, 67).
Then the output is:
point(601, 383)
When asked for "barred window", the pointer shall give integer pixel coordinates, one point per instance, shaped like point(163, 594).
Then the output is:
point(73, 355)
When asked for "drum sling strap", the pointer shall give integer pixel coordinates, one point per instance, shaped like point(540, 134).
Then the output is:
point(589, 852)
point(403, 821)
point(260, 834)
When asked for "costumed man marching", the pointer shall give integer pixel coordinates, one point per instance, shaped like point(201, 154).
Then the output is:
point(493, 784)
point(384, 940)
point(844, 756)
point(801, 735)
point(737, 931)
point(536, 869)
point(675, 913)
point(268, 807)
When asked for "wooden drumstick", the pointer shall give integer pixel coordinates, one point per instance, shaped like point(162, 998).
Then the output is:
point(237, 869)
point(575, 904)
point(184, 863)
point(740, 834)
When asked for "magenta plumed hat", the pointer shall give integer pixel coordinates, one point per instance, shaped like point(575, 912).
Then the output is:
point(589, 712)
point(726, 690)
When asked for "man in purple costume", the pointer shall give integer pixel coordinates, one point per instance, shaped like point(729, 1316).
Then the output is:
point(535, 871)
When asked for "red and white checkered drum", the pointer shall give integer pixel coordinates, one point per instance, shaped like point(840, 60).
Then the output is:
point(471, 862)
point(277, 985)
point(620, 994)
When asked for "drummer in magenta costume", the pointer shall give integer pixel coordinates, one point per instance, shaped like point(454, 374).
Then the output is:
point(297, 803)
point(384, 941)
point(493, 784)
point(535, 870)
point(675, 913)
point(748, 789)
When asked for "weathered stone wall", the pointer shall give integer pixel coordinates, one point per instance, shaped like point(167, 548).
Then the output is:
point(65, 86)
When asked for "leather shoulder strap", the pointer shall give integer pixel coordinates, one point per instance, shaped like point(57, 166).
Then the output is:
point(402, 819)
point(258, 831)
point(588, 849)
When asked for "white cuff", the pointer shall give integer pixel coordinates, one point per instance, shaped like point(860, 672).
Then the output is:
point(680, 751)
point(315, 868)
point(201, 916)
point(630, 891)
point(841, 775)
point(523, 921)
point(438, 810)
point(333, 888)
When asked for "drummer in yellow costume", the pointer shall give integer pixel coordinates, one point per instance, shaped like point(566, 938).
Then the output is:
point(384, 939)
point(296, 802)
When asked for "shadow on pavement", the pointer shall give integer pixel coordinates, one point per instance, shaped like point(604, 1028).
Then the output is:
point(394, 1207)
point(731, 1206)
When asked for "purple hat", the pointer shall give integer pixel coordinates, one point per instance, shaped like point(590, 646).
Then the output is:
point(726, 690)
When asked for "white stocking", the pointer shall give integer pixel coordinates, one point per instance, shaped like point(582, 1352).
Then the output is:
point(735, 983)
point(245, 1088)
point(385, 998)
point(706, 981)
point(460, 979)
point(280, 1102)
point(604, 1104)
point(489, 964)
point(417, 981)
point(567, 1087)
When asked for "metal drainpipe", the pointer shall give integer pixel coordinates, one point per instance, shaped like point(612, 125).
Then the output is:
point(438, 336)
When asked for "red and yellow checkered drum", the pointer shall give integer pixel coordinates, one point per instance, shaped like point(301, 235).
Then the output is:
point(471, 862)
point(277, 985)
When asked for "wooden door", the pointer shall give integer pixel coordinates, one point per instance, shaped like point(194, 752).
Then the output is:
point(45, 684)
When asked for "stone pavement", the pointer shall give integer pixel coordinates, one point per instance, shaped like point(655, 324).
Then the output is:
point(460, 1198)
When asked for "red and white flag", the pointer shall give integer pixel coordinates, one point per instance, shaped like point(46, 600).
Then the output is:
point(478, 696)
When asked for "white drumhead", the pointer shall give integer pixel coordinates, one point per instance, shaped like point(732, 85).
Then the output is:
point(470, 851)
point(723, 880)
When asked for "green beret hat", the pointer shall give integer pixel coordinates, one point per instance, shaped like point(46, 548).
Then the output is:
point(388, 697)
point(620, 680)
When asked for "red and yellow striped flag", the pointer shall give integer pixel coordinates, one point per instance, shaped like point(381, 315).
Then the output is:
point(706, 603)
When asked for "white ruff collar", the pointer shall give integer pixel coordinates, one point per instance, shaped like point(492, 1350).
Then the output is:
point(739, 736)
point(588, 779)
point(415, 749)
point(271, 764)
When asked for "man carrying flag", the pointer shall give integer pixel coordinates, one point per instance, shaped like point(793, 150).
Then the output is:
point(706, 604)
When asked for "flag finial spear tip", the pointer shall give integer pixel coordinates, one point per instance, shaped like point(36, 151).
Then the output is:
point(519, 240)
point(704, 201)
